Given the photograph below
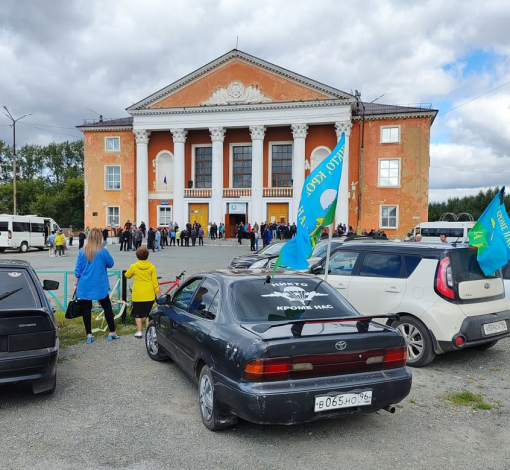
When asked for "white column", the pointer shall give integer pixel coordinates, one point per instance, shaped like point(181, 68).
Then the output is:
point(299, 132)
point(342, 208)
point(179, 136)
point(215, 209)
point(142, 176)
point(257, 174)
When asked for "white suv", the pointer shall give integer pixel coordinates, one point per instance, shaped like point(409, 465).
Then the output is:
point(444, 301)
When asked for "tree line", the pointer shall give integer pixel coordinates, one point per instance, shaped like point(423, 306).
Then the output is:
point(475, 205)
point(49, 181)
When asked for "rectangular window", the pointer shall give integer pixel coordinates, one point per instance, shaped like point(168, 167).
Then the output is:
point(242, 167)
point(281, 166)
point(389, 216)
point(203, 167)
point(36, 228)
point(164, 216)
point(21, 226)
point(389, 172)
point(113, 215)
point(381, 265)
point(112, 176)
point(112, 144)
point(390, 134)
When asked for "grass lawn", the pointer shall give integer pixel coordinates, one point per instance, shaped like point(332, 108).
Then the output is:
point(73, 331)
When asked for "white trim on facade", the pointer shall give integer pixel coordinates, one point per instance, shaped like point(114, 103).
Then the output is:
point(156, 168)
point(383, 227)
point(270, 159)
point(399, 185)
point(319, 147)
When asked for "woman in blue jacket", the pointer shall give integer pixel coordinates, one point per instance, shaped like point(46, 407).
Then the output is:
point(92, 282)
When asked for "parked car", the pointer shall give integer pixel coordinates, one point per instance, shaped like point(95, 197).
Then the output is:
point(444, 301)
point(282, 352)
point(28, 330)
point(262, 259)
point(21, 232)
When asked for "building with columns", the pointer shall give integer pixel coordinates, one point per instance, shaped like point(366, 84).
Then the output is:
point(234, 141)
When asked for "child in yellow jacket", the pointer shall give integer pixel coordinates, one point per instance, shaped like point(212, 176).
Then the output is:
point(145, 288)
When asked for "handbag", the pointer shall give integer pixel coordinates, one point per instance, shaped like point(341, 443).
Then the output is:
point(74, 308)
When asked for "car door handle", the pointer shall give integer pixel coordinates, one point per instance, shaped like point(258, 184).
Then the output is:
point(200, 337)
point(340, 286)
point(393, 290)
point(175, 324)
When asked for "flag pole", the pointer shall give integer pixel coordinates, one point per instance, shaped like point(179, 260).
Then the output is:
point(328, 252)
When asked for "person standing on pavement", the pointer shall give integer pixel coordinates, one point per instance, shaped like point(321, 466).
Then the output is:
point(81, 240)
point(92, 282)
point(256, 241)
point(105, 236)
point(194, 235)
point(200, 236)
point(70, 234)
point(51, 243)
point(187, 234)
point(240, 233)
point(151, 238)
point(124, 241)
point(252, 241)
point(143, 228)
point(113, 226)
point(138, 235)
point(60, 242)
point(145, 288)
point(157, 239)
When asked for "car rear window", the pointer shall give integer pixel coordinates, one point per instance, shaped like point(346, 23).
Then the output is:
point(255, 300)
point(466, 267)
point(11, 280)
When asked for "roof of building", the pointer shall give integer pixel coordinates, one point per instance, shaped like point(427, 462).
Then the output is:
point(104, 123)
point(378, 109)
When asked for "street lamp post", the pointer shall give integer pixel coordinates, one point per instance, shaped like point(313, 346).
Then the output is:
point(14, 121)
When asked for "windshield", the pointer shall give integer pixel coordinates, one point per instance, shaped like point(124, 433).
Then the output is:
point(17, 290)
point(322, 247)
point(273, 249)
point(287, 299)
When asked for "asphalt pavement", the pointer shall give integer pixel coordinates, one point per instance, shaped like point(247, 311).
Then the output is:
point(115, 408)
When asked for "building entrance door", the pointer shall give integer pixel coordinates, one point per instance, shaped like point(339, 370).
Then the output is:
point(277, 212)
point(199, 212)
point(233, 221)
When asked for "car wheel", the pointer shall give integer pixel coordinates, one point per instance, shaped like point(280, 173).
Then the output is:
point(212, 417)
point(23, 248)
point(45, 386)
point(420, 350)
point(485, 346)
point(151, 342)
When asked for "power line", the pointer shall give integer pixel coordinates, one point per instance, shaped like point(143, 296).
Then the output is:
point(47, 130)
point(475, 98)
point(469, 171)
point(47, 125)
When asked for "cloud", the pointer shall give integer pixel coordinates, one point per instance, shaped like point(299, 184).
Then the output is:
point(59, 58)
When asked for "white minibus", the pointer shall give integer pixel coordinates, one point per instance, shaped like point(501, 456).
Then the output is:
point(21, 232)
point(430, 231)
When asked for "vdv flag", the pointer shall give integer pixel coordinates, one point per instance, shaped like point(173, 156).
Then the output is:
point(491, 235)
point(164, 179)
point(316, 209)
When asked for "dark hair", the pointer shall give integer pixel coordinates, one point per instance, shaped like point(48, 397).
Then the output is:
point(142, 253)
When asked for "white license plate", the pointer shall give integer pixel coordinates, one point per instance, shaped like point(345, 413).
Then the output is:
point(495, 327)
point(345, 400)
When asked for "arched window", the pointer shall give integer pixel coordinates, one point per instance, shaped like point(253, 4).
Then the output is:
point(318, 154)
point(165, 171)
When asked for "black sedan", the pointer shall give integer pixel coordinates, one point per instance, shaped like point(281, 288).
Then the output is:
point(28, 330)
point(262, 259)
point(285, 351)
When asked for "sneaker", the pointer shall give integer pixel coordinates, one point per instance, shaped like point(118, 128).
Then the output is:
point(138, 334)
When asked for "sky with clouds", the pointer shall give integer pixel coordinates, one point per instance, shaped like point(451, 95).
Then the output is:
point(60, 57)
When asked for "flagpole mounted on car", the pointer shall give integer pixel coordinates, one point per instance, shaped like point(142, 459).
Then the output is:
point(316, 210)
point(328, 253)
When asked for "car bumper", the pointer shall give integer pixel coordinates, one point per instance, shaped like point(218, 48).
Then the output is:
point(293, 402)
point(472, 330)
point(28, 365)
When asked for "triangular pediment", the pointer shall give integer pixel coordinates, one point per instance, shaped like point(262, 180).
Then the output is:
point(238, 78)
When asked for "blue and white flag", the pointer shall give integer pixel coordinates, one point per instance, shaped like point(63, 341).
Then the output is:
point(316, 209)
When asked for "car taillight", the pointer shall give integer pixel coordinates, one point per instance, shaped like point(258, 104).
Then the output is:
point(260, 370)
point(395, 357)
point(444, 278)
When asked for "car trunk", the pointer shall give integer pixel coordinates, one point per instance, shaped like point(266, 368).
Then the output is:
point(471, 285)
point(25, 330)
point(319, 349)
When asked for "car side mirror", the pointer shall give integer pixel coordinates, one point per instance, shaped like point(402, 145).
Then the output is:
point(163, 299)
point(317, 269)
point(50, 285)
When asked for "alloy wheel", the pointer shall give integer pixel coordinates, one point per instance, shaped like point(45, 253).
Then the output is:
point(414, 340)
point(206, 398)
point(152, 340)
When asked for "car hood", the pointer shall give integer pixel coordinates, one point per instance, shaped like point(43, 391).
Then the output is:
point(248, 260)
